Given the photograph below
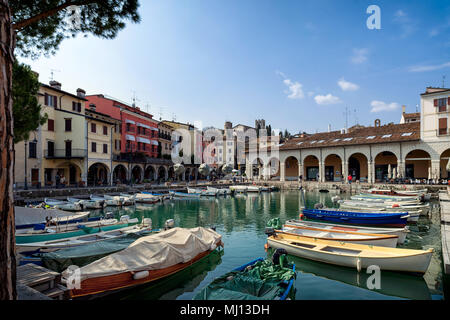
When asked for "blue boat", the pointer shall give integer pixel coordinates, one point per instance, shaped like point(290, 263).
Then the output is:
point(358, 218)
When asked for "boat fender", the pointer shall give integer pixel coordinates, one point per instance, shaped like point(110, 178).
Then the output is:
point(395, 205)
point(358, 265)
point(141, 275)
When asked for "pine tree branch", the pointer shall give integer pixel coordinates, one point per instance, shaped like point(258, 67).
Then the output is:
point(25, 23)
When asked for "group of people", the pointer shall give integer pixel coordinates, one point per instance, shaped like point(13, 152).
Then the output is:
point(60, 180)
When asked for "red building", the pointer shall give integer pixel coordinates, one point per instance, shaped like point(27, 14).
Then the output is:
point(139, 131)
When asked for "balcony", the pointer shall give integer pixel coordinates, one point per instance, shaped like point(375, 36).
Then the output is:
point(65, 154)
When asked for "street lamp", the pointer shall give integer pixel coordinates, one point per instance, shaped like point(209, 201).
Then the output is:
point(26, 174)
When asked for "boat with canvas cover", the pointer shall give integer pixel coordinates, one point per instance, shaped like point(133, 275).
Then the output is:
point(148, 259)
point(352, 255)
point(399, 232)
point(219, 191)
point(185, 195)
point(358, 218)
point(88, 204)
point(63, 205)
point(72, 230)
point(53, 245)
point(260, 279)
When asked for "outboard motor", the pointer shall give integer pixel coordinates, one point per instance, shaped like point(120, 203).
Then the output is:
point(169, 224)
point(277, 254)
point(318, 206)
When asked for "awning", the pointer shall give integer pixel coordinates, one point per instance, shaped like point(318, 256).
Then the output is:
point(129, 137)
point(155, 142)
point(130, 121)
point(143, 125)
point(139, 139)
point(154, 129)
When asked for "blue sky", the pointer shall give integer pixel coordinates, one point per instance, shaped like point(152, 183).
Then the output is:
point(297, 64)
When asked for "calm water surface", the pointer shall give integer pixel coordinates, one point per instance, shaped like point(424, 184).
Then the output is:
point(241, 221)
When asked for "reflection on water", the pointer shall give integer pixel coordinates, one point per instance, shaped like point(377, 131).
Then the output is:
point(241, 220)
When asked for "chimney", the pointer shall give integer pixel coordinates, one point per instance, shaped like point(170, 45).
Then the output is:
point(81, 93)
point(403, 109)
point(55, 84)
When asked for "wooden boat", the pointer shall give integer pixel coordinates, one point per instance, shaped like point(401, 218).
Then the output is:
point(146, 260)
point(218, 191)
point(352, 255)
point(162, 196)
point(72, 230)
point(63, 205)
point(413, 216)
point(194, 190)
point(381, 240)
point(368, 196)
point(415, 208)
point(116, 202)
point(358, 218)
point(390, 193)
point(88, 204)
point(399, 232)
point(222, 288)
point(52, 245)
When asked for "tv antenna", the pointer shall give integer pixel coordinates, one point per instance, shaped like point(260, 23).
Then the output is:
point(174, 117)
point(52, 71)
point(443, 81)
point(134, 99)
point(346, 114)
point(160, 113)
point(356, 117)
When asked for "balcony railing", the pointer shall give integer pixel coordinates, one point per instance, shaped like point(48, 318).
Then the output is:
point(65, 153)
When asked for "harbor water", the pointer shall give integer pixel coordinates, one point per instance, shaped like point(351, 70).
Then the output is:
point(241, 221)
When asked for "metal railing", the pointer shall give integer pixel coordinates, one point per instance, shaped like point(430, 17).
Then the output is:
point(65, 153)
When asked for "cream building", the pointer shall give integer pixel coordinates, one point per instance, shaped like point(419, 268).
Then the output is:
point(60, 145)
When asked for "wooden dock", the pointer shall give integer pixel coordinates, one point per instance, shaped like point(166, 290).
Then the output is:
point(36, 281)
point(444, 201)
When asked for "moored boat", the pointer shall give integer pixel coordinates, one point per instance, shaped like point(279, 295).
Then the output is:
point(238, 189)
point(358, 218)
point(185, 195)
point(259, 279)
point(114, 202)
point(88, 204)
point(353, 255)
point(63, 205)
point(399, 232)
point(146, 260)
point(146, 198)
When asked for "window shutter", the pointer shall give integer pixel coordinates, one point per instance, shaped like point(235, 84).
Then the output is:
point(51, 125)
point(435, 102)
point(55, 102)
point(448, 101)
point(73, 106)
point(79, 106)
point(46, 99)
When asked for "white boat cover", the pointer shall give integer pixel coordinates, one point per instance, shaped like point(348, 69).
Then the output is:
point(154, 252)
point(26, 216)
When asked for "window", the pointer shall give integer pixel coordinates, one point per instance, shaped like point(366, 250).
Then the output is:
point(336, 140)
point(50, 148)
point(51, 101)
point(68, 148)
point(76, 106)
point(105, 130)
point(406, 134)
point(68, 124)
point(321, 141)
point(51, 125)
point(348, 139)
point(300, 143)
point(93, 127)
point(312, 142)
point(442, 126)
point(94, 147)
point(105, 148)
point(387, 136)
point(32, 150)
point(370, 137)
point(441, 104)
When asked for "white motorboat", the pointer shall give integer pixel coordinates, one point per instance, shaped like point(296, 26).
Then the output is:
point(238, 189)
point(88, 204)
point(116, 202)
point(253, 189)
point(146, 198)
point(128, 199)
point(63, 205)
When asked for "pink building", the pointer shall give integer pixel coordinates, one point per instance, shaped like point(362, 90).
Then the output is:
point(139, 131)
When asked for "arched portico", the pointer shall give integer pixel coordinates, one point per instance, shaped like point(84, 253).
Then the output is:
point(98, 174)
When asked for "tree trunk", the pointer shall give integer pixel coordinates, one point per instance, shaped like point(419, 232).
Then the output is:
point(7, 224)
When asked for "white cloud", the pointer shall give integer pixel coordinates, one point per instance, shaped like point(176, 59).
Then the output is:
point(400, 13)
point(295, 89)
point(407, 25)
point(429, 67)
point(378, 106)
point(347, 85)
point(359, 55)
point(328, 99)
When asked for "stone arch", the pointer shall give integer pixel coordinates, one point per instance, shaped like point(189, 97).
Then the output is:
point(273, 165)
point(257, 168)
point(171, 173)
point(333, 167)
point(150, 173)
point(444, 160)
point(385, 166)
point(417, 164)
point(291, 168)
point(119, 174)
point(162, 174)
point(311, 165)
point(98, 174)
point(358, 166)
point(137, 174)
